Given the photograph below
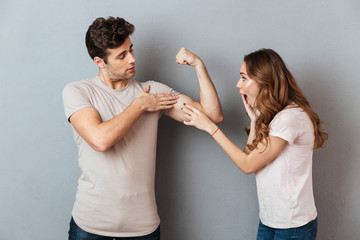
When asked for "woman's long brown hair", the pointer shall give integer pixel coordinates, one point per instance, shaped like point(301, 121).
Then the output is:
point(277, 89)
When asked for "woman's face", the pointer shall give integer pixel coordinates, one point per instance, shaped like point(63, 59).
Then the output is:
point(248, 88)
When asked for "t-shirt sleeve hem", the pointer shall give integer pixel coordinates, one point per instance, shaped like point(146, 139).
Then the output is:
point(69, 114)
point(282, 136)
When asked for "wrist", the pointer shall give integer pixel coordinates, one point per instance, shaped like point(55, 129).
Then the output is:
point(214, 128)
point(252, 127)
point(215, 131)
point(138, 104)
point(198, 64)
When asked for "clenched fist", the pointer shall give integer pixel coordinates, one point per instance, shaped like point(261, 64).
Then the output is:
point(184, 56)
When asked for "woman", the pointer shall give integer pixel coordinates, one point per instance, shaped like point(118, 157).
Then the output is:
point(283, 133)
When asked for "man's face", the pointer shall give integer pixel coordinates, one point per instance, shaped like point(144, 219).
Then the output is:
point(121, 62)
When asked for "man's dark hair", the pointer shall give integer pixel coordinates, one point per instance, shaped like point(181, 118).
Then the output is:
point(106, 33)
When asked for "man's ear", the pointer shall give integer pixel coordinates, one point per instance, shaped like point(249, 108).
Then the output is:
point(99, 62)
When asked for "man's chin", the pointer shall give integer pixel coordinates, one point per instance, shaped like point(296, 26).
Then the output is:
point(130, 75)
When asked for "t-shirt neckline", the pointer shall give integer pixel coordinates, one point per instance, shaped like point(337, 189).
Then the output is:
point(103, 85)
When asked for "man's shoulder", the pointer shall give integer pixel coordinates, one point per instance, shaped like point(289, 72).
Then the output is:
point(156, 87)
point(84, 82)
point(81, 84)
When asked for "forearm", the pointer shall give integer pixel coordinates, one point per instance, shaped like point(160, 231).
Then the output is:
point(107, 133)
point(239, 157)
point(251, 137)
point(247, 162)
point(209, 99)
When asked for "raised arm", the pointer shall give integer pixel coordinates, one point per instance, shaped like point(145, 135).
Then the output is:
point(103, 135)
point(209, 100)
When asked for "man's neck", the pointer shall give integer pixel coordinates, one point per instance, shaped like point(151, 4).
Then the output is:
point(112, 83)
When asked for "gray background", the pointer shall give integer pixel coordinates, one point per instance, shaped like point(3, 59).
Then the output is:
point(200, 192)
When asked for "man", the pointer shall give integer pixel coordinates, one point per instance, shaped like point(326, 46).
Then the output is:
point(115, 122)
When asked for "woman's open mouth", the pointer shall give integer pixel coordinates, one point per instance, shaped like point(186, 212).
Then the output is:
point(246, 98)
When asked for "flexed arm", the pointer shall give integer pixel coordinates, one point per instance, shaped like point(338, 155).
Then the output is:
point(209, 100)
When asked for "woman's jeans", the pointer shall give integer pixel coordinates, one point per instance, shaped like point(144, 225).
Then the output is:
point(76, 233)
point(306, 232)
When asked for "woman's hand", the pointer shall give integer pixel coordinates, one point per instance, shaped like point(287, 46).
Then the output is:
point(196, 118)
point(253, 113)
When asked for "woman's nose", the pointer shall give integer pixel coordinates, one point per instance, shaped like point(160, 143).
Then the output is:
point(238, 85)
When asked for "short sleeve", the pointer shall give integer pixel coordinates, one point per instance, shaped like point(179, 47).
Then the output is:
point(159, 88)
point(74, 99)
point(285, 125)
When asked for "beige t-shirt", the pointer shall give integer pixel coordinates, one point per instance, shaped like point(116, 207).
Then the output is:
point(285, 190)
point(115, 195)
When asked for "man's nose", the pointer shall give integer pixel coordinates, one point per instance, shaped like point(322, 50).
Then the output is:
point(132, 58)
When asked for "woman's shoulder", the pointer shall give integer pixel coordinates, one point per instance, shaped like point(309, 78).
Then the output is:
point(291, 114)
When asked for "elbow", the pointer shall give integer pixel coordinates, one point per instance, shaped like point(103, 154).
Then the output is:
point(217, 118)
point(100, 145)
point(100, 148)
point(250, 169)
point(247, 169)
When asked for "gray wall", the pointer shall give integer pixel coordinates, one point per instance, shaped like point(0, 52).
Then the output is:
point(200, 192)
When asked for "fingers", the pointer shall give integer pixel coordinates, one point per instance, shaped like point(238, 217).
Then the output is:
point(188, 114)
point(189, 123)
point(156, 102)
point(167, 96)
point(182, 56)
point(167, 104)
point(191, 115)
point(147, 89)
point(243, 99)
point(165, 101)
point(191, 109)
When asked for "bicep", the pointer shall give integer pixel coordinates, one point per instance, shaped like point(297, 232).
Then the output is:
point(85, 121)
point(176, 111)
point(262, 155)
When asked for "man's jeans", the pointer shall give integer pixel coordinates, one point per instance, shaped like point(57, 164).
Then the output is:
point(306, 232)
point(76, 233)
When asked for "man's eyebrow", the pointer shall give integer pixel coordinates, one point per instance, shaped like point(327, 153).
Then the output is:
point(243, 73)
point(123, 52)
point(131, 46)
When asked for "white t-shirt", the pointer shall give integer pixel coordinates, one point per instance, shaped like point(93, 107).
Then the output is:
point(115, 195)
point(284, 186)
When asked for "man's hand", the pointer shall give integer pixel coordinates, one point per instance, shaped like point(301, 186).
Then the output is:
point(186, 57)
point(155, 102)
